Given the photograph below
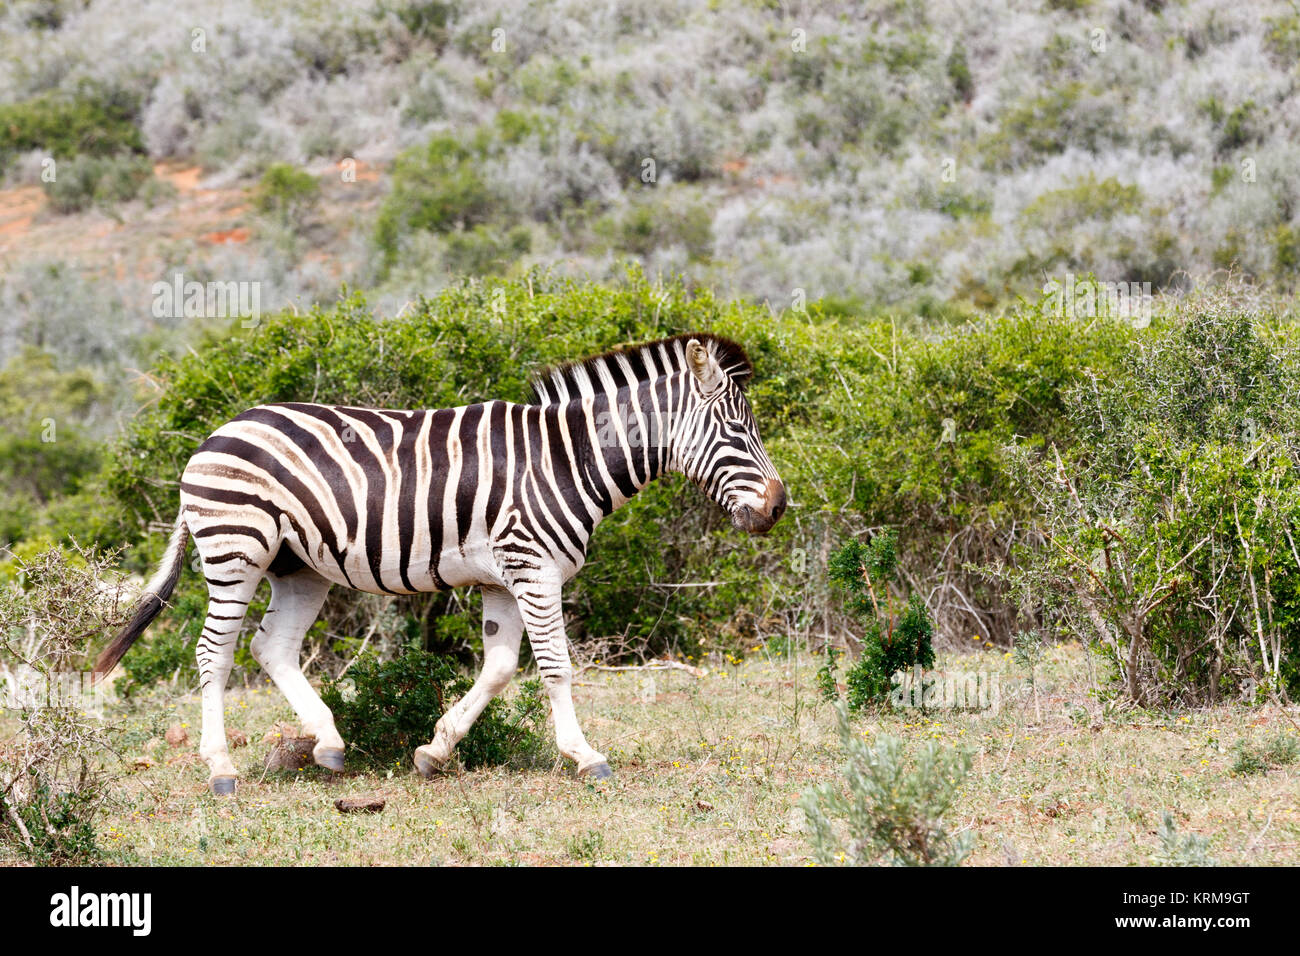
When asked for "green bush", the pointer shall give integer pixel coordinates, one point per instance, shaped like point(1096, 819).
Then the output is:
point(959, 74)
point(1280, 750)
point(47, 454)
point(658, 220)
point(286, 192)
point(1048, 123)
point(1086, 200)
point(889, 806)
point(913, 440)
point(435, 189)
point(95, 121)
point(483, 251)
point(1170, 518)
point(384, 710)
point(86, 181)
point(424, 18)
point(893, 642)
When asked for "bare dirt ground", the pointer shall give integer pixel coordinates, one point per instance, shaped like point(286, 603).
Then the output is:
point(190, 217)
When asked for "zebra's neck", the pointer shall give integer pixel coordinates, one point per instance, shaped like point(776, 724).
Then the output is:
point(625, 441)
point(633, 406)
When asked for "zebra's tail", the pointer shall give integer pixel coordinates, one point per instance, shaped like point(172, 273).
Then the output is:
point(158, 590)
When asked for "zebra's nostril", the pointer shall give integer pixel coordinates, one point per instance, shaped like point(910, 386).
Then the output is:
point(776, 495)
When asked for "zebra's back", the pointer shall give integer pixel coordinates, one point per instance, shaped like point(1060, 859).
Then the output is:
point(386, 501)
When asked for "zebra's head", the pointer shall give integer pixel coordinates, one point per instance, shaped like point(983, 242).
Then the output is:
point(717, 441)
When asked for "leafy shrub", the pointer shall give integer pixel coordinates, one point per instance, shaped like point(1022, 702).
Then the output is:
point(483, 251)
point(1048, 123)
point(1087, 199)
point(435, 188)
point(87, 181)
point(46, 452)
point(914, 439)
point(426, 18)
point(657, 222)
point(889, 805)
point(1169, 520)
point(384, 710)
point(287, 192)
point(95, 121)
point(1239, 128)
point(892, 642)
point(1280, 750)
point(958, 69)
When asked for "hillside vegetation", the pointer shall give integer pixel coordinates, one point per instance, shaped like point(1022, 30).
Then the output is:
point(925, 158)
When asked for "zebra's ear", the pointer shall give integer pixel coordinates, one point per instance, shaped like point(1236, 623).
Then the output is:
point(704, 365)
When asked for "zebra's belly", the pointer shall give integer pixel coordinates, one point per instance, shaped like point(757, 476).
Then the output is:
point(389, 571)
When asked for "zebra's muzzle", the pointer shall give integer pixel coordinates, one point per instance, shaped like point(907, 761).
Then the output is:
point(759, 520)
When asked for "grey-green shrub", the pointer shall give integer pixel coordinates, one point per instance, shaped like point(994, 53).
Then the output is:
point(889, 805)
point(1180, 849)
point(57, 771)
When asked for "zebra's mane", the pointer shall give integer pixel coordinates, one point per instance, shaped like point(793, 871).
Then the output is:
point(582, 377)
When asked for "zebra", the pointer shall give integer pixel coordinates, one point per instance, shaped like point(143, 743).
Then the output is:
point(500, 495)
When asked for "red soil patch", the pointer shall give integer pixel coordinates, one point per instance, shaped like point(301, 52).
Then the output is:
point(186, 179)
point(18, 207)
point(223, 236)
point(365, 173)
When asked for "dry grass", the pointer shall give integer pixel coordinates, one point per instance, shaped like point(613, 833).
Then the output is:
point(709, 771)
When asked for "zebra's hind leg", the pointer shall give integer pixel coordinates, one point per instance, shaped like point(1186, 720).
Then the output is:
point(296, 599)
point(502, 630)
point(231, 586)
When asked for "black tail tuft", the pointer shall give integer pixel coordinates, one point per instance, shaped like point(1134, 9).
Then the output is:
point(156, 593)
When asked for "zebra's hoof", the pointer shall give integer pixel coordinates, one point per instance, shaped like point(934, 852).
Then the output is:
point(331, 758)
point(597, 771)
point(222, 786)
point(426, 763)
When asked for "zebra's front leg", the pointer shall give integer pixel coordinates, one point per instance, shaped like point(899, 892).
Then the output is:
point(502, 630)
point(539, 606)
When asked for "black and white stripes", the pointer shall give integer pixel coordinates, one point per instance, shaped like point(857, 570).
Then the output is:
point(501, 495)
